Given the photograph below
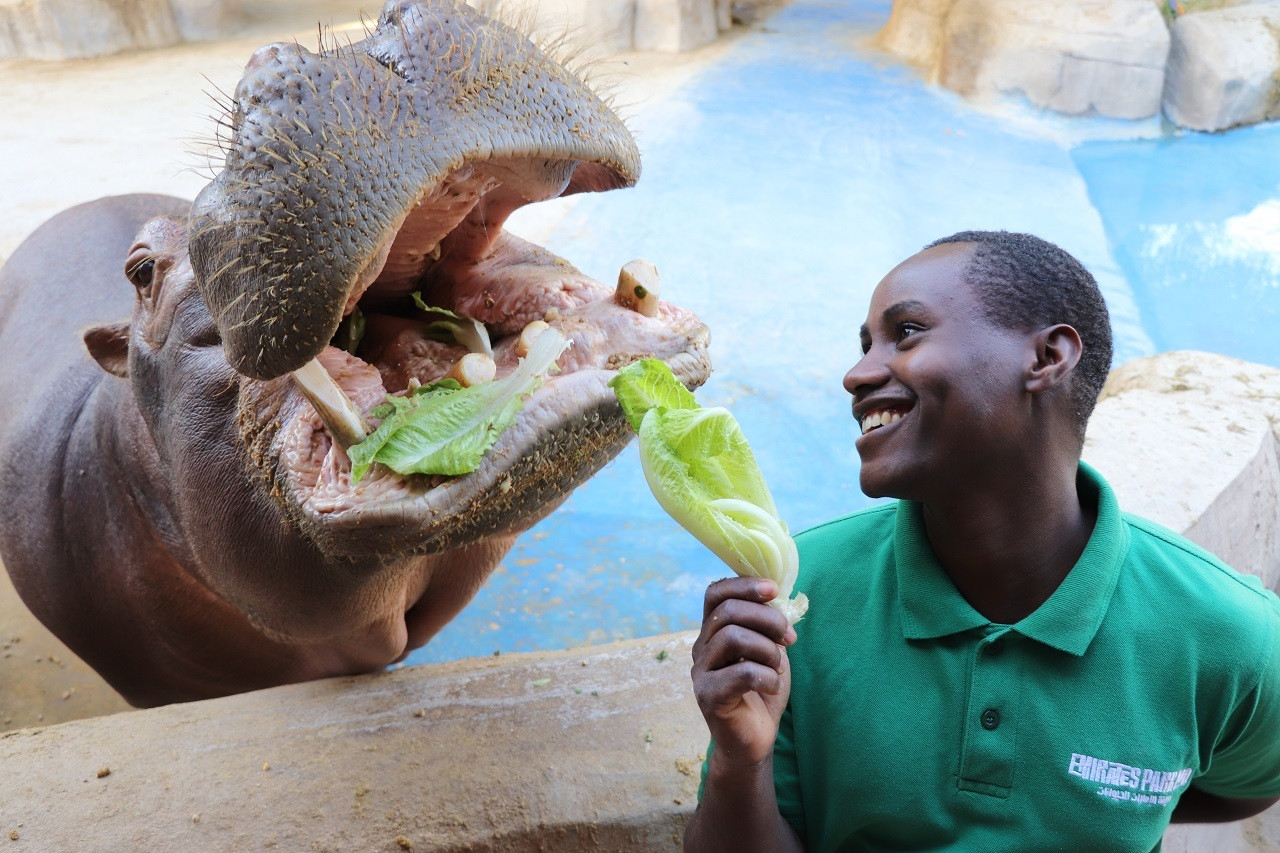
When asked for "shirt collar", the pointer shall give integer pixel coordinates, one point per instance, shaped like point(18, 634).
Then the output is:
point(1068, 620)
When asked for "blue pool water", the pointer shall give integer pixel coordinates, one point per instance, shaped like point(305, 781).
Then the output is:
point(780, 185)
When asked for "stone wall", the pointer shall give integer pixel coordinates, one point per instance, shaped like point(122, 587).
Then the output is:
point(1214, 66)
point(615, 26)
point(586, 749)
point(74, 29)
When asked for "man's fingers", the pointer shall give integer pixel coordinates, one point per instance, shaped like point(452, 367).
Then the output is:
point(747, 589)
point(735, 643)
point(760, 618)
point(725, 688)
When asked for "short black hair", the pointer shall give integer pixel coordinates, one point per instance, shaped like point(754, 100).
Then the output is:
point(1028, 283)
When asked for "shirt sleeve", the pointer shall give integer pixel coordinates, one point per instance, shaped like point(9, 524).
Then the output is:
point(1245, 764)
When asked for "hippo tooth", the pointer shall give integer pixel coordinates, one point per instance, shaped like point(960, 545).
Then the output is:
point(530, 334)
point(474, 368)
point(331, 403)
point(638, 287)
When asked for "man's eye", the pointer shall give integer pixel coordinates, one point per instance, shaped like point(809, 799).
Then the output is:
point(907, 329)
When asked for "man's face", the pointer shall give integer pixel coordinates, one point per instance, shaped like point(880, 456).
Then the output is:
point(939, 392)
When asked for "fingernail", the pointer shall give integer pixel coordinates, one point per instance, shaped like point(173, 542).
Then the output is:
point(765, 588)
point(791, 636)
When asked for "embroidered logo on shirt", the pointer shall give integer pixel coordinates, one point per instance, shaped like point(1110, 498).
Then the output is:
point(1127, 783)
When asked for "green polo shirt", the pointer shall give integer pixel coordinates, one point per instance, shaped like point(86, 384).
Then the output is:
point(916, 724)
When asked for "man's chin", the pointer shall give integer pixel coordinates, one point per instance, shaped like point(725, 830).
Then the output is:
point(878, 483)
point(873, 487)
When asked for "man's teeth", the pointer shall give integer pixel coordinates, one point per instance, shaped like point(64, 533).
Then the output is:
point(876, 419)
point(638, 287)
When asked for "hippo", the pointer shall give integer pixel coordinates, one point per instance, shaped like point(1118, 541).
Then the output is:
point(184, 379)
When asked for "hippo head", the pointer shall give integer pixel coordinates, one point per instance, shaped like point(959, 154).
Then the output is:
point(361, 175)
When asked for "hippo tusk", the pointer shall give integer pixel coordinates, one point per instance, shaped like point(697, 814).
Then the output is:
point(331, 403)
point(474, 368)
point(638, 287)
point(528, 335)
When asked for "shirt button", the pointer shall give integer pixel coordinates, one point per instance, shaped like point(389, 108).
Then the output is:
point(990, 719)
point(995, 647)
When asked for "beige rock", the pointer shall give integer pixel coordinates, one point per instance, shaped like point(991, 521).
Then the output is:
point(1103, 56)
point(200, 20)
point(724, 15)
point(674, 26)
point(597, 26)
point(1224, 67)
point(73, 29)
point(69, 29)
point(1099, 56)
point(915, 30)
point(1189, 439)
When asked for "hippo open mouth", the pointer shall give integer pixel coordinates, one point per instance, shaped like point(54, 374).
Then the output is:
point(365, 185)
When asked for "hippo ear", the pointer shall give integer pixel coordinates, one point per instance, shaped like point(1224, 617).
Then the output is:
point(109, 346)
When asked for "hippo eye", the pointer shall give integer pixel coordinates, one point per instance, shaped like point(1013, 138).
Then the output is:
point(140, 273)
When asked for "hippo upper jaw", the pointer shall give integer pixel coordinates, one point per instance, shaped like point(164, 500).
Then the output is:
point(360, 163)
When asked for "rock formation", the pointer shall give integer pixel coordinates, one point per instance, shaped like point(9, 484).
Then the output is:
point(1210, 64)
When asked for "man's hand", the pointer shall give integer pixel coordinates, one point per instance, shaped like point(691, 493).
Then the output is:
point(741, 677)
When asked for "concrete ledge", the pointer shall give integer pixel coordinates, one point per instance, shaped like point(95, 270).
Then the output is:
point(595, 749)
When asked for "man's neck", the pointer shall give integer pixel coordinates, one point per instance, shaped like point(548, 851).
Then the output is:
point(1007, 549)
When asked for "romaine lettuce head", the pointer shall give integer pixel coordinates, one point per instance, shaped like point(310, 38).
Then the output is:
point(701, 470)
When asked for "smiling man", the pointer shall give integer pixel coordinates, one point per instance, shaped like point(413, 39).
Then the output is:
point(1001, 659)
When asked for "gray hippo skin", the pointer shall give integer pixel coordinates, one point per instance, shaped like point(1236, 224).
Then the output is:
point(175, 509)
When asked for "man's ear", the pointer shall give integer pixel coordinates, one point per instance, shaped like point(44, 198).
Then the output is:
point(109, 346)
point(1057, 352)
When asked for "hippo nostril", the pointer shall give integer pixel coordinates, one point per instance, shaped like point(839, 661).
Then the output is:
point(262, 56)
point(271, 53)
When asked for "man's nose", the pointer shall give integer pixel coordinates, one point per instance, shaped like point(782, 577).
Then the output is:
point(868, 373)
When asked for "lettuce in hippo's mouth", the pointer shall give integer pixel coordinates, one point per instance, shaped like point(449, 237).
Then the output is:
point(446, 428)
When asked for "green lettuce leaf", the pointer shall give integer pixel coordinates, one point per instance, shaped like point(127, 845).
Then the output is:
point(446, 429)
point(648, 384)
point(703, 474)
point(469, 333)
